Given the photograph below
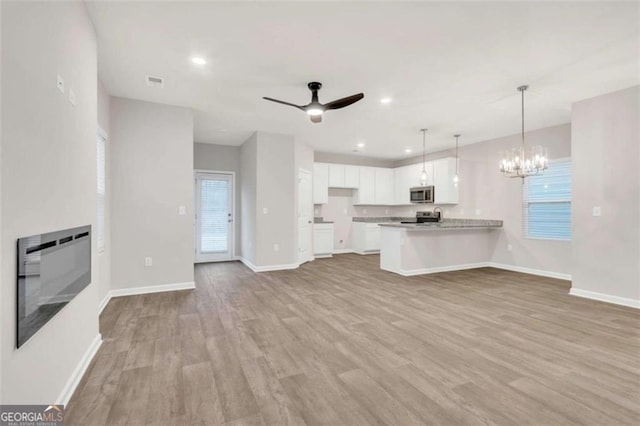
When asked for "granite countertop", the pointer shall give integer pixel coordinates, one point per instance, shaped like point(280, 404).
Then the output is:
point(448, 224)
point(385, 219)
point(319, 220)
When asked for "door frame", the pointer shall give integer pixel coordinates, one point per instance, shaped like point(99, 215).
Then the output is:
point(310, 256)
point(232, 241)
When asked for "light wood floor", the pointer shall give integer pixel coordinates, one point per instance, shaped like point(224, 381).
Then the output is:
point(340, 342)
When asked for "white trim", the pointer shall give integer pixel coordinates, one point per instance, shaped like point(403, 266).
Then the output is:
point(435, 270)
point(322, 255)
point(132, 291)
point(268, 268)
point(104, 135)
point(342, 251)
point(78, 372)
point(104, 302)
point(632, 303)
point(531, 271)
point(365, 252)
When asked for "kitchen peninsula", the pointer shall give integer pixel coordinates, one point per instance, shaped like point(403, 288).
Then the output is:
point(424, 248)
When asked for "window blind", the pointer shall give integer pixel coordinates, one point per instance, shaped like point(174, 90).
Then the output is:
point(214, 216)
point(547, 203)
point(101, 157)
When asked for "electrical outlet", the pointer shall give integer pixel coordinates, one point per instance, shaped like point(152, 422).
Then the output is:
point(597, 211)
point(276, 247)
point(148, 261)
point(182, 210)
point(265, 210)
point(60, 84)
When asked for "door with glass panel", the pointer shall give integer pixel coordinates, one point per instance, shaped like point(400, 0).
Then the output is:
point(214, 217)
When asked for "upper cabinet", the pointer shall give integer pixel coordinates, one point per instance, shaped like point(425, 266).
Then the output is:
point(444, 170)
point(385, 186)
point(343, 176)
point(366, 193)
point(320, 183)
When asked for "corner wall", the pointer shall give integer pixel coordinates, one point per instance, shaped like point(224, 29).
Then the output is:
point(606, 151)
point(48, 177)
point(104, 258)
point(151, 177)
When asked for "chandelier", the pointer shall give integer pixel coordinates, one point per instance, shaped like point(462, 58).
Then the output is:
point(520, 162)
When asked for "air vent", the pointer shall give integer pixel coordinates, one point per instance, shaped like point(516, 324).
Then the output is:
point(155, 81)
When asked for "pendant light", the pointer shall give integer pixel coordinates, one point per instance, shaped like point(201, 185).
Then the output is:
point(518, 162)
point(456, 179)
point(423, 176)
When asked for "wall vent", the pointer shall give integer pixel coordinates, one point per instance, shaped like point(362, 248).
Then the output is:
point(155, 81)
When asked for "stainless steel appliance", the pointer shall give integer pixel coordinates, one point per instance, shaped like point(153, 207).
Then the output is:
point(422, 194)
point(427, 217)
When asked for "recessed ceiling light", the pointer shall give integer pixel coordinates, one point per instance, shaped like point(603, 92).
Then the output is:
point(361, 145)
point(408, 150)
point(198, 60)
point(385, 100)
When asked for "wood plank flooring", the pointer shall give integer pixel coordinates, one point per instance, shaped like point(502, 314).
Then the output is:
point(340, 342)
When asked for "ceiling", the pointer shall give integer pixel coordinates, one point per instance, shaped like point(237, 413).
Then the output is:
point(451, 67)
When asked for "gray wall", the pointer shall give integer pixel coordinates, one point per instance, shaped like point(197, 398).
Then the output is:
point(222, 158)
point(606, 151)
point(151, 177)
point(48, 180)
point(248, 197)
point(358, 160)
point(104, 259)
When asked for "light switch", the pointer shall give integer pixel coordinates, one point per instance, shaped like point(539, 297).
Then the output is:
point(265, 210)
point(182, 210)
point(276, 247)
point(148, 261)
point(597, 211)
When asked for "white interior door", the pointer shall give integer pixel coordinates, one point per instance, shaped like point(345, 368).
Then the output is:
point(214, 217)
point(305, 216)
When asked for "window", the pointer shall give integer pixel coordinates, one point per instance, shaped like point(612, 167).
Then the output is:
point(101, 156)
point(547, 203)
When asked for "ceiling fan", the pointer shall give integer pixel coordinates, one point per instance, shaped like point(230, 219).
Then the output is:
point(315, 108)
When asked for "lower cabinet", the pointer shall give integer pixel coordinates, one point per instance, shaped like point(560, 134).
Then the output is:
point(323, 239)
point(366, 237)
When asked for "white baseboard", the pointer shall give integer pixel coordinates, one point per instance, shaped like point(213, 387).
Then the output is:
point(268, 268)
point(364, 253)
point(531, 271)
point(435, 270)
point(79, 371)
point(342, 251)
point(132, 291)
point(632, 303)
point(322, 256)
point(104, 302)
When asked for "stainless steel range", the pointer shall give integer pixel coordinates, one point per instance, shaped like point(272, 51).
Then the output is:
point(427, 217)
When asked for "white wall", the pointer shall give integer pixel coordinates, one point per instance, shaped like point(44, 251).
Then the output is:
point(606, 152)
point(104, 258)
point(48, 181)
point(222, 158)
point(151, 177)
point(1, 252)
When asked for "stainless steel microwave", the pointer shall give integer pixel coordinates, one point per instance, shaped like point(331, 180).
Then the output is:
point(422, 194)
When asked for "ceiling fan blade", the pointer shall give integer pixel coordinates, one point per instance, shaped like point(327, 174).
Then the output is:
point(341, 103)
point(316, 118)
point(283, 103)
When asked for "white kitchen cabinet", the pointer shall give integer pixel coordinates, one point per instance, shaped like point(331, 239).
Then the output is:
point(323, 239)
point(351, 177)
point(384, 186)
point(366, 237)
point(446, 192)
point(366, 193)
point(320, 183)
point(336, 175)
point(407, 177)
point(343, 176)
